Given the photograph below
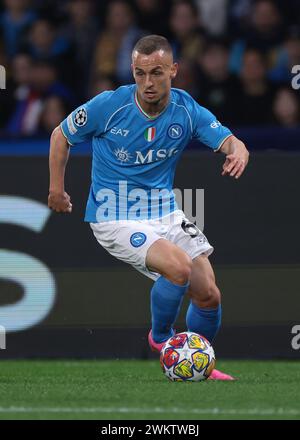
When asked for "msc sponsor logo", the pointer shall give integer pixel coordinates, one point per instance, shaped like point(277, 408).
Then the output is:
point(144, 158)
point(154, 155)
point(122, 155)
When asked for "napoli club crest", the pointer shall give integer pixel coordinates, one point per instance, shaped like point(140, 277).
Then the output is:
point(175, 131)
point(138, 239)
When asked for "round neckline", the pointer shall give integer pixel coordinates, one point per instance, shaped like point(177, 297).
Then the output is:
point(145, 114)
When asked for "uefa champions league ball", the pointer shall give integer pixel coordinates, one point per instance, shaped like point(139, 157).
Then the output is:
point(187, 356)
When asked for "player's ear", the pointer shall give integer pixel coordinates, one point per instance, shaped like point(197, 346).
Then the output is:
point(174, 70)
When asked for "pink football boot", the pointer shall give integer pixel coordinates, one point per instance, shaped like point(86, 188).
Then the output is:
point(155, 346)
point(218, 375)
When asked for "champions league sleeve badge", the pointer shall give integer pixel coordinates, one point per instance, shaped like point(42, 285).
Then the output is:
point(80, 117)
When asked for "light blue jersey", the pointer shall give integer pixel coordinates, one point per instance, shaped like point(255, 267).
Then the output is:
point(135, 156)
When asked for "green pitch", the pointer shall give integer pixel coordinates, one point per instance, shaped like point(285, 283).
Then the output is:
point(138, 390)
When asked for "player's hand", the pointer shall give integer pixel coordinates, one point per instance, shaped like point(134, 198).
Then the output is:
point(236, 163)
point(59, 202)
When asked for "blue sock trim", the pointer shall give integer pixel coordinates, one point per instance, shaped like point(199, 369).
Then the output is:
point(205, 321)
point(168, 283)
point(166, 300)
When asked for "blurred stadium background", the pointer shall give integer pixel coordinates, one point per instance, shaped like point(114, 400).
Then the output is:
point(61, 295)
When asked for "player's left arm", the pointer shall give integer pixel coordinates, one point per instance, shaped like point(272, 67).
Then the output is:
point(212, 133)
point(237, 157)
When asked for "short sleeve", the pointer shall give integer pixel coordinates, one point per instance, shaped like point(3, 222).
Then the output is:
point(207, 129)
point(86, 121)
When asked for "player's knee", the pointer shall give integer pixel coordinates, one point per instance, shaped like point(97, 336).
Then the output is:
point(179, 269)
point(210, 295)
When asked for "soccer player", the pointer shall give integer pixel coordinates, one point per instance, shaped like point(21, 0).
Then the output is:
point(139, 132)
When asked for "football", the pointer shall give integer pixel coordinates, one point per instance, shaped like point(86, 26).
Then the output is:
point(187, 356)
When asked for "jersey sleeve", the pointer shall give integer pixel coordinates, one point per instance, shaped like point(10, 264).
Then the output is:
point(207, 129)
point(86, 121)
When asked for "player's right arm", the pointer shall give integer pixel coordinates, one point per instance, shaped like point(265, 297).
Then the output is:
point(58, 199)
point(81, 125)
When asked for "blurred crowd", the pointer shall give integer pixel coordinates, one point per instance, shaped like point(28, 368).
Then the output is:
point(235, 56)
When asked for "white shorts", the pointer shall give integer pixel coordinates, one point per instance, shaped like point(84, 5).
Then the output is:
point(129, 240)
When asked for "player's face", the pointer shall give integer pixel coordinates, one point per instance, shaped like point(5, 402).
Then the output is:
point(153, 75)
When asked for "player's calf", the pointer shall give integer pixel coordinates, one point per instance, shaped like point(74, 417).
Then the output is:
point(204, 313)
point(208, 296)
point(166, 300)
point(175, 267)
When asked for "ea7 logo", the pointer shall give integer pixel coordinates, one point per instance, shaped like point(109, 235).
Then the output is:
point(119, 131)
point(2, 78)
point(296, 339)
